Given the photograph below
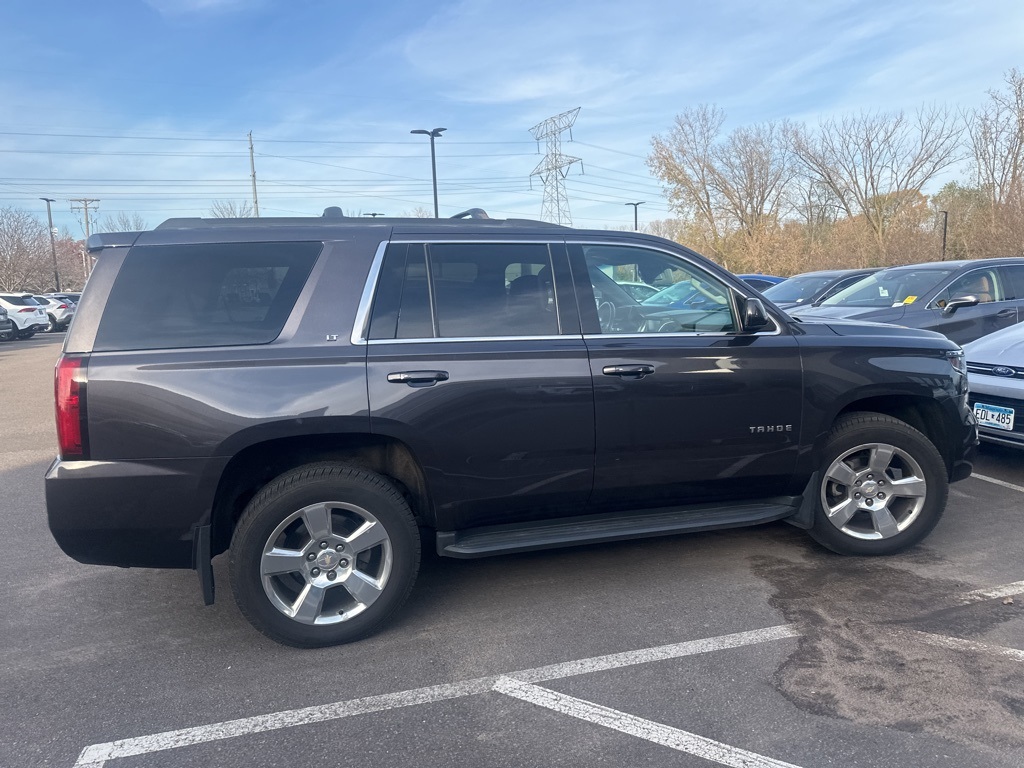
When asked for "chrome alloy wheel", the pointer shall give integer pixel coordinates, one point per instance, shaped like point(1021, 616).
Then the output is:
point(873, 491)
point(326, 563)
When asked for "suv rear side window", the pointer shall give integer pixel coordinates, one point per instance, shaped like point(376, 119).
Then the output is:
point(478, 290)
point(206, 295)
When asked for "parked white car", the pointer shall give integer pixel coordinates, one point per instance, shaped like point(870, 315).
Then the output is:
point(28, 315)
point(59, 312)
point(995, 370)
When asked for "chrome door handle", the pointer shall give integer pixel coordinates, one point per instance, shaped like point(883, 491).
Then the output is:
point(418, 378)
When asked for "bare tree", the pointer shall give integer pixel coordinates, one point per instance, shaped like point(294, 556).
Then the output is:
point(25, 261)
point(870, 162)
point(123, 222)
point(231, 209)
point(724, 183)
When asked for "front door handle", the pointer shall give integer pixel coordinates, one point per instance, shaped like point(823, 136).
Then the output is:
point(418, 378)
point(629, 371)
point(1006, 313)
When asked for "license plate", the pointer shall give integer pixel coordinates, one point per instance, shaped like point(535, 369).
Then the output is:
point(994, 416)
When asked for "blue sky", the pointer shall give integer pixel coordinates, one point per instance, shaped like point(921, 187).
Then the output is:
point(145, 105)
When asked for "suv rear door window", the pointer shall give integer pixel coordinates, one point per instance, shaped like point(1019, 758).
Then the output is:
point(204, 295)
point(478, 290)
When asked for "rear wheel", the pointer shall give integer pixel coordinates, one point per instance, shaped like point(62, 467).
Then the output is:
point(324, 555)
point(883, 486)
point(25, 334)
point(51, 324)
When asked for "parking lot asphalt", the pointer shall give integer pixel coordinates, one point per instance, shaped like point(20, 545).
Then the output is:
point(750, 648)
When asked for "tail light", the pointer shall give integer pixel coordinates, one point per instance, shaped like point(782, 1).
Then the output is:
point(27, 309)
point(69, 399)
point(63, 306)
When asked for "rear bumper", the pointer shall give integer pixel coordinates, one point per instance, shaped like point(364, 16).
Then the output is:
point(130, 514)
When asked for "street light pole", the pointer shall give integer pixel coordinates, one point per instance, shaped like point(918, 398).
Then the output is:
point(636, 207)
point(945, 222)
point(434, 134)
point(53, 247)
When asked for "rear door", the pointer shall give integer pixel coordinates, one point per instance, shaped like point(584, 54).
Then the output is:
point(477, 363)
point(687, 408)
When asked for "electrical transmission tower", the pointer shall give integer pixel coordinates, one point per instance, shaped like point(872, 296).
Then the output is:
point(554, 167)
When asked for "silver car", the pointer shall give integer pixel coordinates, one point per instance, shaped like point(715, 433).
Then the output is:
point(59, 312)
point(995, 370)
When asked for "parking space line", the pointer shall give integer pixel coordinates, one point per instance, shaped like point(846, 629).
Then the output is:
point(998, 482)
point(958, 644)
point(660, 653)
point(96, 755)
point(665, 735)
point(1005, 590)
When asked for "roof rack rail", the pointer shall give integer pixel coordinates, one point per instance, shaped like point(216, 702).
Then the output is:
point(333, 216)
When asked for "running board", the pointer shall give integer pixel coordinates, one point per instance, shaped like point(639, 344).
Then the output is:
point(616, 526)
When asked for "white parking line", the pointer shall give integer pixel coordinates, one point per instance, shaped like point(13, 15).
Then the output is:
point(632, 725)
point(96, 755)
point(958, 644)
point(1006, 590)
point(998, 482)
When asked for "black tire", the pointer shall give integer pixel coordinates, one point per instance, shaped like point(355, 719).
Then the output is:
point(51, 324)
point(25, 334)
point(279, 523)
point(882, 486)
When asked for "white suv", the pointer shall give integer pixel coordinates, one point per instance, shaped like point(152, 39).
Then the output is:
point(59, 312)
point(28, 315)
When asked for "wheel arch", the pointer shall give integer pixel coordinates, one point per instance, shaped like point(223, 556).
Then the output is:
point(256, 465)
point(920, 411)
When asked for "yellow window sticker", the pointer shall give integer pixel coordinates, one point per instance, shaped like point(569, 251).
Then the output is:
point(910, 299)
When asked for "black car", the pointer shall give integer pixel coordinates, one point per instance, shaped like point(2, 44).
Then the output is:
point(326, 396)
point(964, 300)
point(811, 288)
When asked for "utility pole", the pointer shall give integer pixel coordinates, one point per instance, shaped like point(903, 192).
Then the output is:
point(636, 207)
point(252, 166)
point(84, 203)
point(53, 247)
point(554, 167)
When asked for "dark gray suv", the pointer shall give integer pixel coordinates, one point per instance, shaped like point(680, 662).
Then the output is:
point(323, 397)
point(964, 300)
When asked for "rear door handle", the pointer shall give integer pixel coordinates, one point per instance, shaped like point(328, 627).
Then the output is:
point(418, 378)
point(629, 371)
point(1006, 313)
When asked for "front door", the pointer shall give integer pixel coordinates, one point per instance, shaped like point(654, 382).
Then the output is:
point(688, 409)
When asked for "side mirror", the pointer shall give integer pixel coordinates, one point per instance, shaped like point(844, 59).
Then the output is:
point(960, 301)
point(754, 315)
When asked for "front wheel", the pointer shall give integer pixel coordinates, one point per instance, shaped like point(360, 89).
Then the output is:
point(324, 555)
point(883, 486)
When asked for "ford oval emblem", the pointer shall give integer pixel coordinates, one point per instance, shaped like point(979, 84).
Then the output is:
point(1002, 370)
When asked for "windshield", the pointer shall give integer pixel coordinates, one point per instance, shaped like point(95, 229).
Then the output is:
point(889, 288)
point(797, 289)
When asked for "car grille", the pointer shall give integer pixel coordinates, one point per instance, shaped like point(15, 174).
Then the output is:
point(986, 369)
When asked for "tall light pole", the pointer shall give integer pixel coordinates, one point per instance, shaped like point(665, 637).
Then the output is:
point(945, 222)
point(436, 133)
point(636, 207)
point(53, 247)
